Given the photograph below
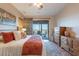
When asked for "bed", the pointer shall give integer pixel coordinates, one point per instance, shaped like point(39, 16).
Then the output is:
point(28, 46)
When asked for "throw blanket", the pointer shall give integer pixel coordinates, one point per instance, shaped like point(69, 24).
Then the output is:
point(33, 46)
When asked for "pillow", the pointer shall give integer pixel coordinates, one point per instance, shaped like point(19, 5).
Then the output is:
point(7, 36)
point(17, 35)
point(23, 35)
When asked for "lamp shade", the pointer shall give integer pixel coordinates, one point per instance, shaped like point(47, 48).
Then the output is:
point(24, 29)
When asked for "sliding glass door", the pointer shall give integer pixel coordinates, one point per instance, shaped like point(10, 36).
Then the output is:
point(41, 28)
point(44, 31)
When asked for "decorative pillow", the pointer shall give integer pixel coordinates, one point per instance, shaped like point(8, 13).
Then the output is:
point(17, 35)
point(7, 36)
point(23, 35)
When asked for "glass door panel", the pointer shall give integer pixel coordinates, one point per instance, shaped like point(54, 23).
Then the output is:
point(36, 29)
point(44, 31)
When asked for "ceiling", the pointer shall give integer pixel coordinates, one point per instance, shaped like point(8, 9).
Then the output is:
point(30, 11)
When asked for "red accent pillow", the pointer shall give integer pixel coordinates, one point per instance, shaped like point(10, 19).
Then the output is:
point(8, 36)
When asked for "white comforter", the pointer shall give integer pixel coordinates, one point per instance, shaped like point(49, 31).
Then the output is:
point(14, 48)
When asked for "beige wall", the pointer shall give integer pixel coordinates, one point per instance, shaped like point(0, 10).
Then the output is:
point(69, 16)
point(20, 24)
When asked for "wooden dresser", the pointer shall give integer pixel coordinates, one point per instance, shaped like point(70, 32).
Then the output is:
point(75, 46)
point(70, 43)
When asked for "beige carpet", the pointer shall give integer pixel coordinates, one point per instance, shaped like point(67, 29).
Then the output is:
point(54, 50)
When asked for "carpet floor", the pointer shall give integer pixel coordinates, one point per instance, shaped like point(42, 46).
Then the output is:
point(53, 49)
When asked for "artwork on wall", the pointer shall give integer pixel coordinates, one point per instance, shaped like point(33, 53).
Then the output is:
point(7, 18)
point(0, 17)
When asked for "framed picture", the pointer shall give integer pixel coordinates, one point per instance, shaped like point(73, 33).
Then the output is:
point(9, 22)
point(7, 18)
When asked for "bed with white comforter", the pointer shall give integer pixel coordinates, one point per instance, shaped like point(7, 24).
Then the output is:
point(14, 48)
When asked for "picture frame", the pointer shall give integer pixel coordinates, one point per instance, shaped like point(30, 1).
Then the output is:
point(7, 18)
